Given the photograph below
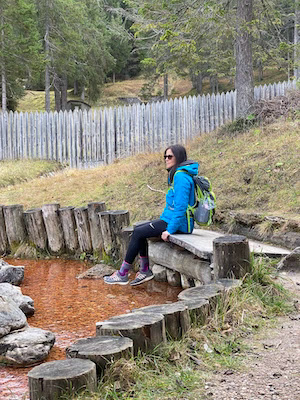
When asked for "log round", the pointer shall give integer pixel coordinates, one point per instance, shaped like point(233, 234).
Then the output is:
point(101, 350)
point(58, 379)
point(229, 284)
point(118, 221)
point(3, 237)
point(36, 228)
point(231, 255)
point(198, 309)
point(106, 231)
point(14, 223)
point(96, 234)
point(201, 292)
point(83, 229)
point(177, 318)
point(147, 330)
point(69, 228)
point(53, 228)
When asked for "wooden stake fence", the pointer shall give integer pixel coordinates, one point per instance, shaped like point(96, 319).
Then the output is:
point(87, 139)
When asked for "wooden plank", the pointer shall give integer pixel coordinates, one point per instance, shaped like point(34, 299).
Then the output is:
point(200, 243)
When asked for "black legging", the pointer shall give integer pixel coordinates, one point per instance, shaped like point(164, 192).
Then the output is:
point(138, 242)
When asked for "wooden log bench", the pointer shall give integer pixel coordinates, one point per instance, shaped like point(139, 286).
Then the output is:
point(102, 350)
point(147, 330)
point(189, 260)
point(59, 379)
point(177, 318)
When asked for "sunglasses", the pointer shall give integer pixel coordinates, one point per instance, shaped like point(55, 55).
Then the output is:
point(168, 156)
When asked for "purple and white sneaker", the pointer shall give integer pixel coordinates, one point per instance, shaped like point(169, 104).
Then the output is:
point(116, 279)
point(142, 277)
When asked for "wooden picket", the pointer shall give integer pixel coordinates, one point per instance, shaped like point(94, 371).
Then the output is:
point(87, 139)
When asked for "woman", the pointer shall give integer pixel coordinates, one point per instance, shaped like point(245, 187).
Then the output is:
point(173, 219)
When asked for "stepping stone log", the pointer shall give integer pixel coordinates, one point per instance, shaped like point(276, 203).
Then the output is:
point(198, 309)
point(201, 292)
point(145, 329)
point(229, 284)
point(101, 350)
point(177, 318)
point(58, 379)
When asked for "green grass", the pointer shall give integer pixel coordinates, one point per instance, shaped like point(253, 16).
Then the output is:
point(14, 172)
point(243, 170)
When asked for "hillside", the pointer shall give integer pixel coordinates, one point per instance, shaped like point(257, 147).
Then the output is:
point(178, 86)
point(253, 171)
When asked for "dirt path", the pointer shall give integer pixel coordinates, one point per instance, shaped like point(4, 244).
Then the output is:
point(274, 362)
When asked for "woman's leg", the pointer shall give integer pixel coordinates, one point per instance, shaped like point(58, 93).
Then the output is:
point(138, 244)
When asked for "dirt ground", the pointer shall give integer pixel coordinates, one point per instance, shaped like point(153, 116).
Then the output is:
point(273, 371)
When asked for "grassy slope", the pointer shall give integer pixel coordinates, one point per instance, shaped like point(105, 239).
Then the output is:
point(35, 100)
point(266, 158)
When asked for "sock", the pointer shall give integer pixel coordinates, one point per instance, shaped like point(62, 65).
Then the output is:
point(144, 263)
point(125, 267)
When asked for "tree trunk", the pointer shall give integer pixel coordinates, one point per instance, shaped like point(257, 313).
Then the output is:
point(260, 70)
point(243, 53)
point(114, 78)
point(3, 88)
point(3, 73)
point(82, 97)
point(213, 81)
point(47, 68)
point(76, 89)
point(297, 41)
point(166, 86)
point(57, 93)
point(197, 82)
point(64, 92)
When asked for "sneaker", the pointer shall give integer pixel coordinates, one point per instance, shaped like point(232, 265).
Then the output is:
point(142, 277)
point(116, 279)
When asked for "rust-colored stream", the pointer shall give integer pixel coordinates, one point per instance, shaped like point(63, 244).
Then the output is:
point(70, 308)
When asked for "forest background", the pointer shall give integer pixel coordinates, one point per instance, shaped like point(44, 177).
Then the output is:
point(73, 49)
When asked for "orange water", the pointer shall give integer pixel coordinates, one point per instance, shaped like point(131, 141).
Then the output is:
point(70, 308)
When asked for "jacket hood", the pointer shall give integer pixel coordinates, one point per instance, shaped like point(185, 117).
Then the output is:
point(190, 166)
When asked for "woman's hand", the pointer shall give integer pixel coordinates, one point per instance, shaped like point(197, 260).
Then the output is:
point(165, 236)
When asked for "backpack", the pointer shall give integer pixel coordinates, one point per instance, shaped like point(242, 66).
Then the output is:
point(204, 208)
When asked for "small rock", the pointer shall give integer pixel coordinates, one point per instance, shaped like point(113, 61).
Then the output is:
point(291, 262)
point(13, 293)
point(11, 317)
point(98, 271)
point(11, 274)
point(26, 347)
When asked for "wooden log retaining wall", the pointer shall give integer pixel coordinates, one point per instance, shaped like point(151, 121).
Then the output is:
point(66, 230)
point(86, 139)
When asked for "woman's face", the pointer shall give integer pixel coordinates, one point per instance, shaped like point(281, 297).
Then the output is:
point(169, 159)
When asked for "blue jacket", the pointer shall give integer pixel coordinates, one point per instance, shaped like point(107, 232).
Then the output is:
point(181, 193)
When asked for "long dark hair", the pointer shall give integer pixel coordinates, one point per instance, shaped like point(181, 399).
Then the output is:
point(180, 156)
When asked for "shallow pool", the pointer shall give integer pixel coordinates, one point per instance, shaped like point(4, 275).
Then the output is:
point(70, 308)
